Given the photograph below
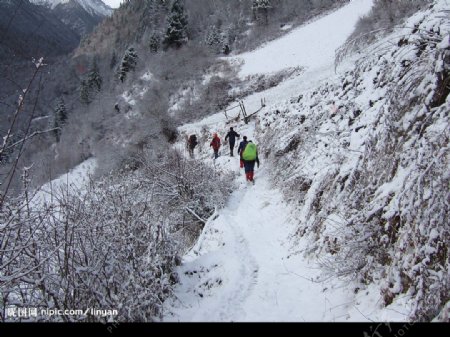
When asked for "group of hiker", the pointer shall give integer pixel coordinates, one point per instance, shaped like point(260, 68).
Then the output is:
point(247, 151)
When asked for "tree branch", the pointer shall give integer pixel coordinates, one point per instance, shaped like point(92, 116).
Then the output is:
point(30, 136)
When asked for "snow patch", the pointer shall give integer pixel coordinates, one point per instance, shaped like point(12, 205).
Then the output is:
point(286, 27)
point(310, 46)
point(147, 76)
point(74, 180)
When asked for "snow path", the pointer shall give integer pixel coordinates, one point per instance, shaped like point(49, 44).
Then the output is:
point(242, 269)
point(239, 271)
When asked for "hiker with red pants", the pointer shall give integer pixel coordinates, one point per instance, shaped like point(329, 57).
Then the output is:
point(241, 149)
point(250, 157)
point(215, 145)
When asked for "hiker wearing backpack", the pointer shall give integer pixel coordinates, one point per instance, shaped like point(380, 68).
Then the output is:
point(192, 143)
point(250, 157)
point(232, 135)
point(241, 149)
point(216, 145)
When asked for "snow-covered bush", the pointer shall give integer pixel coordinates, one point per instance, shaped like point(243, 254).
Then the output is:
point(369, 156)
point(111, 246)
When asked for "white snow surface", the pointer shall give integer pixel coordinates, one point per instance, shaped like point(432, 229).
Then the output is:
point(74, 180)
point(310, 46)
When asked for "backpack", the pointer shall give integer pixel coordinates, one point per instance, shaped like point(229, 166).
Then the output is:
point(250, 152)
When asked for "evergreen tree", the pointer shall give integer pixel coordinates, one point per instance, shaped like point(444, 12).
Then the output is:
point(113, 62)
point(227, 41)
point(91, 85)
point(94, 80)
point(129, 62)
point(85, 93)
point(215, 39)
point(261, 11)
point(226, 49)
point(154, 43)
point(59, 118)
point(176, 34)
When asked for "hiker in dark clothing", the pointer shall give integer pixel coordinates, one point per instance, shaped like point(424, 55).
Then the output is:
point(216, 145)
point(250, 156)
point(192, 143)
point(241, 149)
point(232, 135)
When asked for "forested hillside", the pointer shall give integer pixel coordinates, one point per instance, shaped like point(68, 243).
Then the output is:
point(95, 84)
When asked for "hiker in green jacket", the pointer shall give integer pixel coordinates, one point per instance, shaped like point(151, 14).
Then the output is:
point(250, 157)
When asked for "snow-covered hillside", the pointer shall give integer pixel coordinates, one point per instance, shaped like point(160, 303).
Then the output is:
point(93, 7)
point(348, 220)
point(50, 3)
point(311, 47)
point(81, 16)
point(372, 179)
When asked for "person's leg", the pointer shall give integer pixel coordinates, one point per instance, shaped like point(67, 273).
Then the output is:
point(231, 149)
point(251, 170)
point(246, 166)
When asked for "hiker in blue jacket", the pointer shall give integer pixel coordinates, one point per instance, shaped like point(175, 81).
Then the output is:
point(232, 135)
point(241, 149)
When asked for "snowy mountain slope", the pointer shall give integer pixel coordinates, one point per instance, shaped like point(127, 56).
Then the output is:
point(49, 3)
point(34, 31)
point(93, 7)
point(301, 48)
point(325, 142)
point(311, 46)
point(80, 15)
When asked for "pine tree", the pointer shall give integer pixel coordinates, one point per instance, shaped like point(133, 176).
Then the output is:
point(176, 34)
point(261, 11)
point(154, 43)
point(59, 118)
point(94, 80)
point(85, 93)
point(113, 62)
point(226, 41)
point(215, 39)
point(129, 62)
point(226, 49)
